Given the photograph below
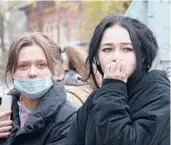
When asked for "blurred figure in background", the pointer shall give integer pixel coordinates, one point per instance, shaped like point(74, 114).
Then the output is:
point(75, 73)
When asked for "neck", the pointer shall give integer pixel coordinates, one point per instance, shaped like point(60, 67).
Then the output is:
point(28, 103)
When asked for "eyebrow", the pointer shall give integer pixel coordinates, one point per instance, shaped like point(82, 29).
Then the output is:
point(123, 43)
point(26, 61)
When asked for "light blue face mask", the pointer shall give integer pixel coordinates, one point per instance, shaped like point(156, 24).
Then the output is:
point(33, 88)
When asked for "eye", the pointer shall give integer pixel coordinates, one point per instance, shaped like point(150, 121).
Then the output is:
point(107, 49)
point(23, 66)
point(42, 65)
point(127, 49)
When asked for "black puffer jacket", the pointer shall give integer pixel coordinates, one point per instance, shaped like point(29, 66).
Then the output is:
point(125, 114)
point(48, 123)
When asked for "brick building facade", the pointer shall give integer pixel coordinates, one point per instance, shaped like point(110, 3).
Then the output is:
point(60, 20)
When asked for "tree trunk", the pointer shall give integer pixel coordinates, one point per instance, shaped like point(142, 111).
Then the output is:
point(40, 15)
point(2, 32)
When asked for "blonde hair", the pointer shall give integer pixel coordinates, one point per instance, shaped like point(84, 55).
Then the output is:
point(51, 49)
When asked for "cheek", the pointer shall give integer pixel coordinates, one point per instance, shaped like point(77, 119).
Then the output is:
point(20, 74)
point(45, 72)
point(131, 65)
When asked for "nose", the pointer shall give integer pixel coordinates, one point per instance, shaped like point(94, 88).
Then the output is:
point(32, 72)
point(117, 55)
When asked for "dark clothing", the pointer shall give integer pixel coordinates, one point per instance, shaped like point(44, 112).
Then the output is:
point(121, 114)
point(48, 123)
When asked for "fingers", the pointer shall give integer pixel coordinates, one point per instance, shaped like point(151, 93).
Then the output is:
point(124, 71)
point(5, 123)
point(113, 66)
point(107, 68)
point(107, 71)
point(118, 66)
point(5, 135)
point(5, 129)
point(6, 113)
point(116, 70)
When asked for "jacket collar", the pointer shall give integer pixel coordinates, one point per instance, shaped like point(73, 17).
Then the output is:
point(146, 80)
point(47, 107)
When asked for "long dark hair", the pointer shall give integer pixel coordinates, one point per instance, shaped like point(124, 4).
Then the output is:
point(143, 41)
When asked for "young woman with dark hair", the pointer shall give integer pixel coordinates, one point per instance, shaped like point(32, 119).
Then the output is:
point(132, 106)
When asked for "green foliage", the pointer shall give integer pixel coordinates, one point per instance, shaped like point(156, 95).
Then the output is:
point(91, 13)
point(95, 11)
point(3, 60)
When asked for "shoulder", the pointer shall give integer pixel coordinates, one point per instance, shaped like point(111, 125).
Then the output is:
point(156, 76)
point(62, 123)
point(154, 86)
point(157, 81)
point(66, 111)
point(64, 117)
point(153, 79)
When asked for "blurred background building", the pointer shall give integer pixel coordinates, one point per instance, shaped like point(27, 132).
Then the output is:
point(157, 16)
point(72, 22)
point(67, 22)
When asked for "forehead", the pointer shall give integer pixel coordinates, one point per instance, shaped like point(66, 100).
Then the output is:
point(31, 53)
point(116, 34)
